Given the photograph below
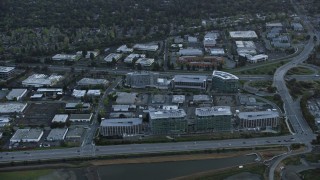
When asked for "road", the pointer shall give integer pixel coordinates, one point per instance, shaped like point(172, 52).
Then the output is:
point(292, 108)
point(36, 155)
point(88, 146)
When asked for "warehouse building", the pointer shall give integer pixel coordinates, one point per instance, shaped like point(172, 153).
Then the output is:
point(10, 108)
point(27, 135)
point(92, 82)
point(124, 49)
point(243, 34)
point(60, 118)
point(146, 47)
point(81, 117)
point(41, 80)
point(6, 72)
point(145, 62)
point(213, 119)
point(224, 82)
point(190, 52)
point(189, 82)
point(57, 134)
point(121, 127)
point(129, 59)
point(65, 57)
point(259, 119)
point(16, 94)
point(168, 121)
point(112, 57)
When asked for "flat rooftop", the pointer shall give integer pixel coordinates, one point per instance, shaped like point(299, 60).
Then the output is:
point(12, 107)
point(214, 111)
point(121, 122)
point(167, 114)
point(243, 34)
point(4, 69)
point(245, 44)
point(75, 132)
point(224, 75)
point(258, 115)
point(189, 78)
point(60, 118)
point(178, 98)
point(21, 134)
point(15, 93)
point(201, 97)
point(91, 81)
point(57, 134)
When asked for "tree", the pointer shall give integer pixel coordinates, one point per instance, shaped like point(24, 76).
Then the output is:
point(91, 56)
point(84, 53)
point(139, 67)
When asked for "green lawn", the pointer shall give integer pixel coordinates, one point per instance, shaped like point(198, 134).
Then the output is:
point(300, 71)
point(268, 69)
point(260, 84)
point(24, 175)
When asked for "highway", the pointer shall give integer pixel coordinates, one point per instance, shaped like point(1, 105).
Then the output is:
point(36, 155)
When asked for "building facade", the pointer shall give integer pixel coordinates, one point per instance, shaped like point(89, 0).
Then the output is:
point(121, 127)
point(224, 82)
point(189, 82)
point(168, 122)
point(260, 119)
point(6, 72)
point(213, 119)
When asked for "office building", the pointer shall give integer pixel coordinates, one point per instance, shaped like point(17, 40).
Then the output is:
point(213, 119)
point(243, 34)
point(224, 82)
point(81, 117)
point(121, 127)
point(6, 72)
point(189, 82)
point(10, 108)
point(260, 119)
point(168, 121)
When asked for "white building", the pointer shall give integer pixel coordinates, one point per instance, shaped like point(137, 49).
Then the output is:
point(145, 62)
point(146, 47)
point(65, 57)
point(178, 99)
point(257, 58)
point(94, 92)
point(16, 94)
point(129, 59)
point(79, 93)
point(210, 39)
point(112, 57)
point(121, 127)
point(243, 34)
point(4, 121)
point(60, 118)
point(8, 108)
point(92, 82)
point(124, 49)
point(27, 135)
point(217, 52)
point(40, 80)
point(260, 119)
